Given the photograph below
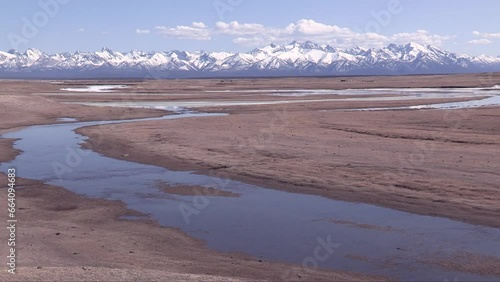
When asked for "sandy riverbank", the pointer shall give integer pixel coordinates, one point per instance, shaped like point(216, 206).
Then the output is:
point(19, 108)
point(428, 162)
point(66, 237)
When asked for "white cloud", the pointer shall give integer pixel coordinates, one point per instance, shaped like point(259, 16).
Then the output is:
point(235, 28)
point(306, 29)
point(142, 31)
point(199, 25)
point(313, 28)
point(81, 29)
point(197, 31)
point(483, 41)
point(486, 35)
point(255, 34)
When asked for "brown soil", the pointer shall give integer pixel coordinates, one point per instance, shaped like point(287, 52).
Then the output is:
point(65, 237)
point(429, 162)
point(18, 111)
point(197, 85)
point(221, 89)
point(469, 263)
point(86, 239)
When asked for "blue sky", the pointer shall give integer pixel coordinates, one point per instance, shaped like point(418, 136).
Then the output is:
point(471, 27)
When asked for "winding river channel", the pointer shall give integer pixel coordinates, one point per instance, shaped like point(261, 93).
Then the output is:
point(267, 224)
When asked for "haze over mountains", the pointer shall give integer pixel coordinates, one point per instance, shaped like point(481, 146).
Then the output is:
point(294, 59)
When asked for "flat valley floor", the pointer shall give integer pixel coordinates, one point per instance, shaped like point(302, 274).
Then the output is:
point(432, 162)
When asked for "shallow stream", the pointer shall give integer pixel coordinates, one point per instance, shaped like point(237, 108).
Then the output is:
point(268, 224)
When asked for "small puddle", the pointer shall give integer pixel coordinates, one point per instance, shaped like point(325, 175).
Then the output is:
point(268, 224)
point(96, 88)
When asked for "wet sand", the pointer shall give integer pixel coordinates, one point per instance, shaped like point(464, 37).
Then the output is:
point(429, 162)
point(66, 237)
point(19, 111)
point(426, 162)
point(86, 239)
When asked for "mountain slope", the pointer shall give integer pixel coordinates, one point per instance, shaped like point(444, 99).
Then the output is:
point(294, 59)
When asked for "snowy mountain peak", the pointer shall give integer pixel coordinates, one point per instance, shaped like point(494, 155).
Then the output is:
point(306, 45)
point(415, 45)
point(416, 48)
point(34, 54)
point(106, 50)
point(310, 45)
point(295, 58)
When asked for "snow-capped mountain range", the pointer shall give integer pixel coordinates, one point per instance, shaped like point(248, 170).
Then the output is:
point(294, 59)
